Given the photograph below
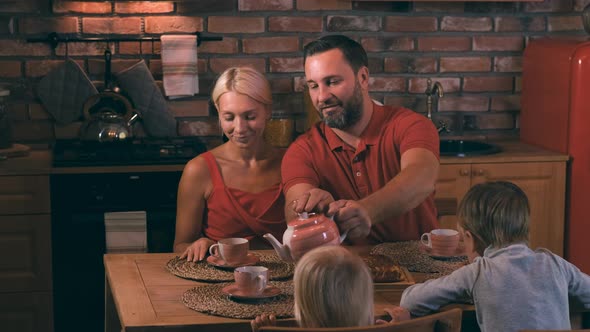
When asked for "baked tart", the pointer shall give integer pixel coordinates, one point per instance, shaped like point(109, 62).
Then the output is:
point(383, 268)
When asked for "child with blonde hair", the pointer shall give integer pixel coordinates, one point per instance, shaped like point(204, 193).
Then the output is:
point(332, 288)
point(513, 287)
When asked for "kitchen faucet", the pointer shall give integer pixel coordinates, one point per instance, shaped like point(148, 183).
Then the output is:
point(434, 90)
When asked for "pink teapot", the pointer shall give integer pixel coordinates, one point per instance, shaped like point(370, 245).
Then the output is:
point(309, 231)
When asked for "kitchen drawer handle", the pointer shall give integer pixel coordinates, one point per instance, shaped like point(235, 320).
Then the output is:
point(480, 172)
point(464, 172)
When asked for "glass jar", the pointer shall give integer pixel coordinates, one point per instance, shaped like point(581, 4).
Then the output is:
point(5, 125)
point(280, 129)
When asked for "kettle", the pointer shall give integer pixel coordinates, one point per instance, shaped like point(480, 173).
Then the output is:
point(308, 231)
point(109, 115)
point(107, 126)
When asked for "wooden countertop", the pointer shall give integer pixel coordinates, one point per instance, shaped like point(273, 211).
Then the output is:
point(512, 151)
point(39, 161)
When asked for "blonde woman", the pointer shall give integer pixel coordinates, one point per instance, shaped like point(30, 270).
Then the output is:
point(332, 288)
point(235, 189)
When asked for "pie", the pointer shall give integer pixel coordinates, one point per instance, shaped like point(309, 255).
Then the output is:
point(383, 268)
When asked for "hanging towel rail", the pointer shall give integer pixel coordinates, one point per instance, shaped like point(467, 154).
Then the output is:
point(53, 39)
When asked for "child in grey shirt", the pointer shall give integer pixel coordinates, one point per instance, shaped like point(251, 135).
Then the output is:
point(512, 286)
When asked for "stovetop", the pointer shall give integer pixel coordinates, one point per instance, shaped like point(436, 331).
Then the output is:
point(137, 151)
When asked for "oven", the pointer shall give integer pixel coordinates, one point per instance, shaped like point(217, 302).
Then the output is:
point(79, 203)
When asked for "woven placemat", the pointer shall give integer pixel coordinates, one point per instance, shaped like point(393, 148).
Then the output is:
point(203, 271)
point(211, 300)
point(409, 255)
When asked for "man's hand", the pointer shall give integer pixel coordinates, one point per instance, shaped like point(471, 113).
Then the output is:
point(351, 217)
point(313, 200)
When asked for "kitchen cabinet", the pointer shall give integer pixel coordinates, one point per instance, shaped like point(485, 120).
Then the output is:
point(543, 182)
point(25, 253)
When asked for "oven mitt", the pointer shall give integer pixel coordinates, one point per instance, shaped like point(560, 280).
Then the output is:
point(64, 90)
point(139, 84)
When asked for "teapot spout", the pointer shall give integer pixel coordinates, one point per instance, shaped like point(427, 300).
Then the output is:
point(133, 119)
point(282, 251)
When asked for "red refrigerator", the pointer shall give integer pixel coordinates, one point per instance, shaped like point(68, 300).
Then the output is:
point(555, 115)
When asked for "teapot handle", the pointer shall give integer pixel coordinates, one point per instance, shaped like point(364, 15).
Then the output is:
point(343, 235)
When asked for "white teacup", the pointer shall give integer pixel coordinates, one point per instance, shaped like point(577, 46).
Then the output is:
point(251, 280)
point(232, 250)
point(442, 241)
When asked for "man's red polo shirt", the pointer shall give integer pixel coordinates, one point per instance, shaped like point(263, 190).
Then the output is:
point(320, 158)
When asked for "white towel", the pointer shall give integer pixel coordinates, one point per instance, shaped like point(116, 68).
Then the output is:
point(179, 65)
point(125, 232)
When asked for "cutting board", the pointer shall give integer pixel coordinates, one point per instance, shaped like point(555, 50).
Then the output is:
point(16, 150)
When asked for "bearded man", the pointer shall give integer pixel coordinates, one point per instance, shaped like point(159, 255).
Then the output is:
point(372, 167)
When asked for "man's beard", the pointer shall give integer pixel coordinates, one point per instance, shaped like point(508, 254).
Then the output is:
point(351, 110)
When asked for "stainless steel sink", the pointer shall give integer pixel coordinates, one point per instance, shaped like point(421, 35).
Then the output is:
point(460, 148)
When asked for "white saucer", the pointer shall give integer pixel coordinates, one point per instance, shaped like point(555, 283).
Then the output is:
point(233, 291)
point(251, 259)
point(460, 251)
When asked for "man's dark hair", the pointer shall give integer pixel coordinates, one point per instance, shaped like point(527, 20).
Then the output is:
point(353, 52)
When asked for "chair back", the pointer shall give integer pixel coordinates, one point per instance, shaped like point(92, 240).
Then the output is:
point(446, 321)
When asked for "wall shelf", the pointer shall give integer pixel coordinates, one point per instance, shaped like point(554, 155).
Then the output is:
point(53, 39)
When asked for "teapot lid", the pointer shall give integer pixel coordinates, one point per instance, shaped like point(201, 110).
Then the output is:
point(304, 215)
point(306, 218)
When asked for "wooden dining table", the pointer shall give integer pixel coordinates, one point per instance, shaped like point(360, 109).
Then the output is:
point(142, 295)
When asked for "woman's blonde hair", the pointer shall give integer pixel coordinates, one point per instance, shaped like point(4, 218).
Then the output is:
point(496, 214)
point(243, 80)
point(333, 288)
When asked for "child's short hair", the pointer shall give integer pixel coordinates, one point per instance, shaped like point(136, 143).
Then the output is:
point(333, 288)
point(496, 214)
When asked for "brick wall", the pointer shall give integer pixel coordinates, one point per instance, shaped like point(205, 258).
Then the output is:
point(474, 49)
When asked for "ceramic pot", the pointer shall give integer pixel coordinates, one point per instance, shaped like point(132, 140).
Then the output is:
point(307, 232)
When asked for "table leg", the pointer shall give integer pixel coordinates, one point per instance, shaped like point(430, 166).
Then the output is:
point(111, 317)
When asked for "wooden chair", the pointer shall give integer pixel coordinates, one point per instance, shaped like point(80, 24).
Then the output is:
point(446, 321)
